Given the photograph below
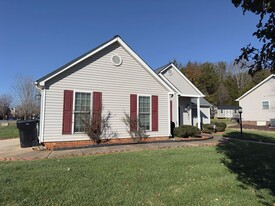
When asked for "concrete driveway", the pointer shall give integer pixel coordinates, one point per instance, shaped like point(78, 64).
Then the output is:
point(10, 150)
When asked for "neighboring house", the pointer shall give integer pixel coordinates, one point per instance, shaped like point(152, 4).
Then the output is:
point(226, 111)
point(112, 77)
point(205, 114)
point(184, 94)
point(258, 104)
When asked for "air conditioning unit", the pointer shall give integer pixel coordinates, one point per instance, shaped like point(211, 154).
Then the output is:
point(272, 122)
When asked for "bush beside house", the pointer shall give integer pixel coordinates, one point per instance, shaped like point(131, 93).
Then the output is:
point(187, 131)
point(215, 127)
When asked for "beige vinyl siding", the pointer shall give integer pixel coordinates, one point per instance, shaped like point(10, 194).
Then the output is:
point(116, 83)
point(252, 103)
point(205, 115)
point(184, 113)
point(226, 113)
point(175, 106)
point(180, 83)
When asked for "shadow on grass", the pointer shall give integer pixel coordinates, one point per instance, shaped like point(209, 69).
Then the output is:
point(254, 164)
point(250, 136)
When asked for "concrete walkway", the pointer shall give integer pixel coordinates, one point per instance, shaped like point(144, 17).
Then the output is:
point(10, 149)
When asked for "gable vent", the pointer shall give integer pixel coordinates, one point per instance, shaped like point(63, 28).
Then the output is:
point(117, 60)
point(170, 72)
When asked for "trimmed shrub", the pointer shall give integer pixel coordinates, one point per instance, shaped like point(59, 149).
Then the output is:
point(208, 128)
point(220, 126)
point(186, 131)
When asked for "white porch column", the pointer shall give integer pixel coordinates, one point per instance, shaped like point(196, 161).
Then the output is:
point(199, 113)
point(177, 110)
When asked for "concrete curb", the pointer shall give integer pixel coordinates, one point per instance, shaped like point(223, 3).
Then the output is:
point(37, 154)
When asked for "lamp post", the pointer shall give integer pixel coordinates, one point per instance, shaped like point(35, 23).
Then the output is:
point(241, 123)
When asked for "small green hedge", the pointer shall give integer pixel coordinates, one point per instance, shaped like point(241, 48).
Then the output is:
point(186, 131)
point(210, 128)
point(220, 126)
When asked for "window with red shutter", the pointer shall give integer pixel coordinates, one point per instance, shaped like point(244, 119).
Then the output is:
point(154, 113)
point(82, 110)
point(97, 109)
point(67, 112)
point(133, 112)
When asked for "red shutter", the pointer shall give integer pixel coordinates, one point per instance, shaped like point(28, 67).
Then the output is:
point(67, 112)
point(97, 109)
point(155, 114)
point(171, 110)
point(133, 112)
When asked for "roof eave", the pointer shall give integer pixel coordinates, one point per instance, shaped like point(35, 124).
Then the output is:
point(255, 87)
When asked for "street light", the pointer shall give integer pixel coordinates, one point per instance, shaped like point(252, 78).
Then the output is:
point(241, 124)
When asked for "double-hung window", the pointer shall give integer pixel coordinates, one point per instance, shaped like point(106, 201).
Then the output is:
point(144, 108)
point(265, 104)
point(82, 110)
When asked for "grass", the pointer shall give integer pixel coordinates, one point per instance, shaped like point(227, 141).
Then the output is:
point(8, 132)
point(184, 176)
point(226, 120)
point(250, 134)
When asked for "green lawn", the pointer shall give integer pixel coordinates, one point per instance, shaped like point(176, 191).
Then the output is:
point(183, 176)
point(7, 132)
point(250, 134)
point(226, 120)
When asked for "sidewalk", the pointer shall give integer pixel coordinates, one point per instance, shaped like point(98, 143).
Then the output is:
point(10, 149)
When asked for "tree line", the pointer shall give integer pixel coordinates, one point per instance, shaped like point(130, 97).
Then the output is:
point(221, 83)
point(23, 102)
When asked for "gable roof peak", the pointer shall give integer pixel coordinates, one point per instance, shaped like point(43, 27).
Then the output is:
point(255, 87)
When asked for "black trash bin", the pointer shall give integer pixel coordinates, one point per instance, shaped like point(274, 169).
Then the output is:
point(172, 129)
point(28, 132)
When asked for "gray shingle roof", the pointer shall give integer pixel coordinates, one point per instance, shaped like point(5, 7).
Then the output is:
point(203, 102)
point(158, 70)
point(73, 61)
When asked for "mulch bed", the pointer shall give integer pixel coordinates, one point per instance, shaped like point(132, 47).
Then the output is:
point(265, 128)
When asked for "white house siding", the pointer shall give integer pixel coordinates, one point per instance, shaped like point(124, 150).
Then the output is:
point(180, 83)
point(226, 113)
point(205, 115)
point(185, 112)
point(116, 83)
point(175, 110)
point(252, 103)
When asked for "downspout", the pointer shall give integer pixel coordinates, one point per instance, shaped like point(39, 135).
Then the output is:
point(42, 92)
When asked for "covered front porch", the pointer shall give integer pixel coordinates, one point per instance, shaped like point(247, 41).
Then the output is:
point(182, 111)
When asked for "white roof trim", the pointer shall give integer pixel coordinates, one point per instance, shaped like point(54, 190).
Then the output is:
point(135, 56)
point(169, 84)
point(185, 78)
point(191, 95)
point(255, 87)
point(83, 58)
point(127, 48)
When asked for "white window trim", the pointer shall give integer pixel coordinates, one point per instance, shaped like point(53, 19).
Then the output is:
point(145, 95)
point(268, 104)
point(73, 111)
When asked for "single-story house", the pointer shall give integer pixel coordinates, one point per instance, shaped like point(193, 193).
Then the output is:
point(258, 104)
point(112, 78)
point(184, 97)
point(226, 111)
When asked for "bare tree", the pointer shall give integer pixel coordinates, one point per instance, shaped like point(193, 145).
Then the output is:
point(134, 128)
point(5, 102)
point(241, 77)
point(98, 127)
point(26, 97)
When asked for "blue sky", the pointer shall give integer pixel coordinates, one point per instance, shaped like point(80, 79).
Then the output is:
point(37, 37)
